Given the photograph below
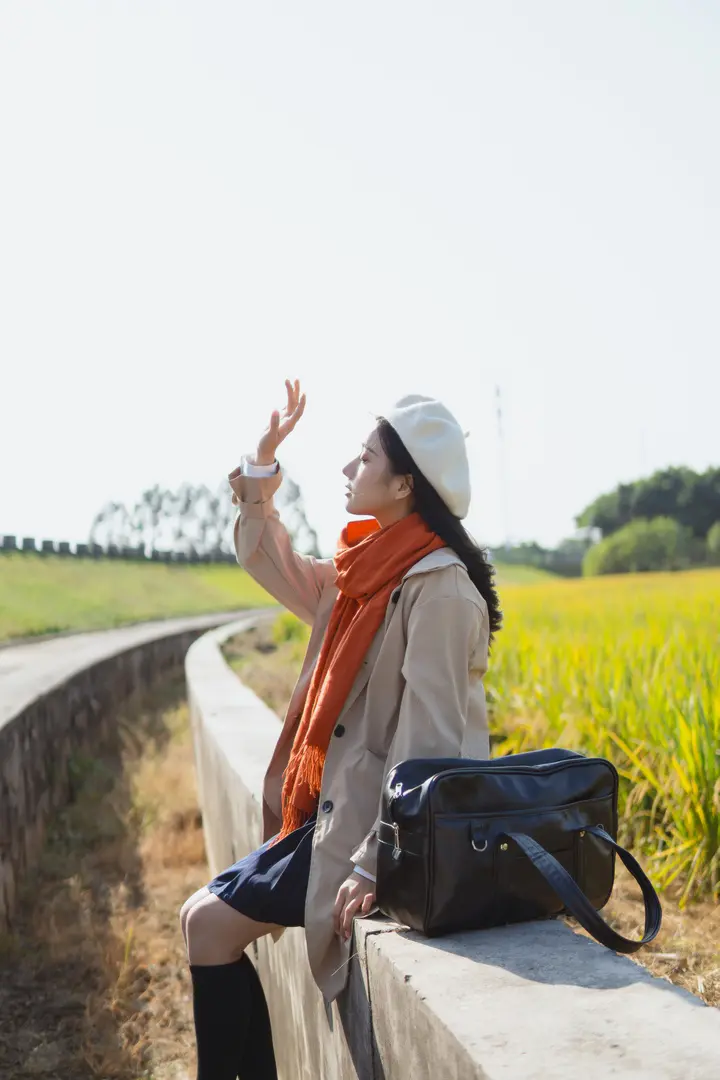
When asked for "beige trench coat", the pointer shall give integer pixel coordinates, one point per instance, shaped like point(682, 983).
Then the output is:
point(419, 693)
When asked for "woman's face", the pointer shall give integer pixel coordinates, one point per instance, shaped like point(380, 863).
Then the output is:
point(372, 490)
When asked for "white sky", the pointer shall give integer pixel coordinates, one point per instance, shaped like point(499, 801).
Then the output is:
point(198, 199)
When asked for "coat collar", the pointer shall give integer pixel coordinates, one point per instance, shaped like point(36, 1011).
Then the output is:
point(436, 560)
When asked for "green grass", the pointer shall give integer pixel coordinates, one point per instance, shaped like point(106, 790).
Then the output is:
point(46, 594)
point(625, 667)
point(510, 574)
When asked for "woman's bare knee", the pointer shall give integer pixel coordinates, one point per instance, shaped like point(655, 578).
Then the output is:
point(217, 934)
point(189, 904)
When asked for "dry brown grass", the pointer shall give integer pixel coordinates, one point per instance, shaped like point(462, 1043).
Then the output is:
point(268, 668)
point(687, 949)
point(95, 979)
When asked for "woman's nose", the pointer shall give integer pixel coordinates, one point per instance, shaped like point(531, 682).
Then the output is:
point(349, 469)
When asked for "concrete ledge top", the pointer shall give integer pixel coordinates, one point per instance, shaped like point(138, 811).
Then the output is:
point(536, 1000)
point(31, 669)
point(243, 725)
point(532, 1001)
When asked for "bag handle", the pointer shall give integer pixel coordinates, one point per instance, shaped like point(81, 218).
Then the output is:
point(577, 902)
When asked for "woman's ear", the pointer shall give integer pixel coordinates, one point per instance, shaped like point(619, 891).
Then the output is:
point(405, 487)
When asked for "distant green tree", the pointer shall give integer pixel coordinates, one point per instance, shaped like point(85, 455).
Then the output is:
point(713, 545)
point(690, 498)
point(608, 512)
point(642, 545)
point(193, 518)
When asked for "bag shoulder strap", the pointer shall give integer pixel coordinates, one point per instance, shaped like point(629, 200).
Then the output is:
point(577, 902)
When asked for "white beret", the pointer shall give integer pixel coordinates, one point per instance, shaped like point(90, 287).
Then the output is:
point(436, 443)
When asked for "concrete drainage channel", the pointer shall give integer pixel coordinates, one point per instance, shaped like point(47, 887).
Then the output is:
point(529, 1001)
point(58, 698)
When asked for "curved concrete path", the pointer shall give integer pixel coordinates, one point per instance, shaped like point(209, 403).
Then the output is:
point(58, 698)
point(33, 668)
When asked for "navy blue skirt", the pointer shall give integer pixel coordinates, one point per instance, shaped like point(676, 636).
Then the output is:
point(270, 885)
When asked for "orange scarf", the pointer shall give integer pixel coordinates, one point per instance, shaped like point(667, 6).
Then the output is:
point(370, 563)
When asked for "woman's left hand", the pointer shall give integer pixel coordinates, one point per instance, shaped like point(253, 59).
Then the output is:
point(356, 896)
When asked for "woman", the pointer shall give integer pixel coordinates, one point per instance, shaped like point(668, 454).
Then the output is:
point(402, 619)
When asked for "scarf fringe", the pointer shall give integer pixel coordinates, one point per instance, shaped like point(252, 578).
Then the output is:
point(306, 776)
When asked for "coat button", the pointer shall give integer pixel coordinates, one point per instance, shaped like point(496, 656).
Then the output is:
point(327, 806)
point(339, 730)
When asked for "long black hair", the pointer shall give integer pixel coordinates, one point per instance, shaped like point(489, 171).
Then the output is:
point(438, 517)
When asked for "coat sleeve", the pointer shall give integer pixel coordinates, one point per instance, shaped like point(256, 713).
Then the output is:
point(442, 636)
point(263, 547)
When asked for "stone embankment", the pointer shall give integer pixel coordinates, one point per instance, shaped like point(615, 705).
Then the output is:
point(58, 699)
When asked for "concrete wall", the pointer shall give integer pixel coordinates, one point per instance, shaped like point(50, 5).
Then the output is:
point(59, 698)
point(528, 1002)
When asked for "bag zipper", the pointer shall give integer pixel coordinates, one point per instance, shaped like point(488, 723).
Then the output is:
point(523, 809)
point(515, 769)
point(398, 792)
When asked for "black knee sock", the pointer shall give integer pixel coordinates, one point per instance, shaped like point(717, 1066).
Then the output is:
point(232, 1025)
point(258, 1062)
point(222, 996)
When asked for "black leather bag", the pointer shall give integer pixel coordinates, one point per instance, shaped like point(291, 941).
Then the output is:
point(470, 844)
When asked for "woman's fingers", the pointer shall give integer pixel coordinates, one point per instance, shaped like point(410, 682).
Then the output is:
point(299, 410)
point(368, 901)
point(288, 425)
point(346, 905)
point(280, 426)
point(351, 910)
point(293, 395)
point(290, 404)
point(340, 906)
point(352, 900)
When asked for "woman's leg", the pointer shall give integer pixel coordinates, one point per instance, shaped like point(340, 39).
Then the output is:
point(188, 906)
point(218, 934)
point(232, 1025)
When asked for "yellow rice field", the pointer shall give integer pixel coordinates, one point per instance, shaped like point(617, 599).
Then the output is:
point(625, 667)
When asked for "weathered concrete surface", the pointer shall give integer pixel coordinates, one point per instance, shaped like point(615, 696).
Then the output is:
point(527, 1002)
point(532, 1001)
point(58, 698)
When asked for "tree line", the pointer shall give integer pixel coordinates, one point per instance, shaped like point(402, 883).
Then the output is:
point(193, 519)
point(667, 521)
point(691, 499)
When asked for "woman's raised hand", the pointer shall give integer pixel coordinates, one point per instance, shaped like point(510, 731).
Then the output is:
point(281, 425)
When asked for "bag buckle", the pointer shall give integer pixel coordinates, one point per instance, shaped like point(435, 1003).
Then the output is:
point(397, 850)
point(482, 846)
